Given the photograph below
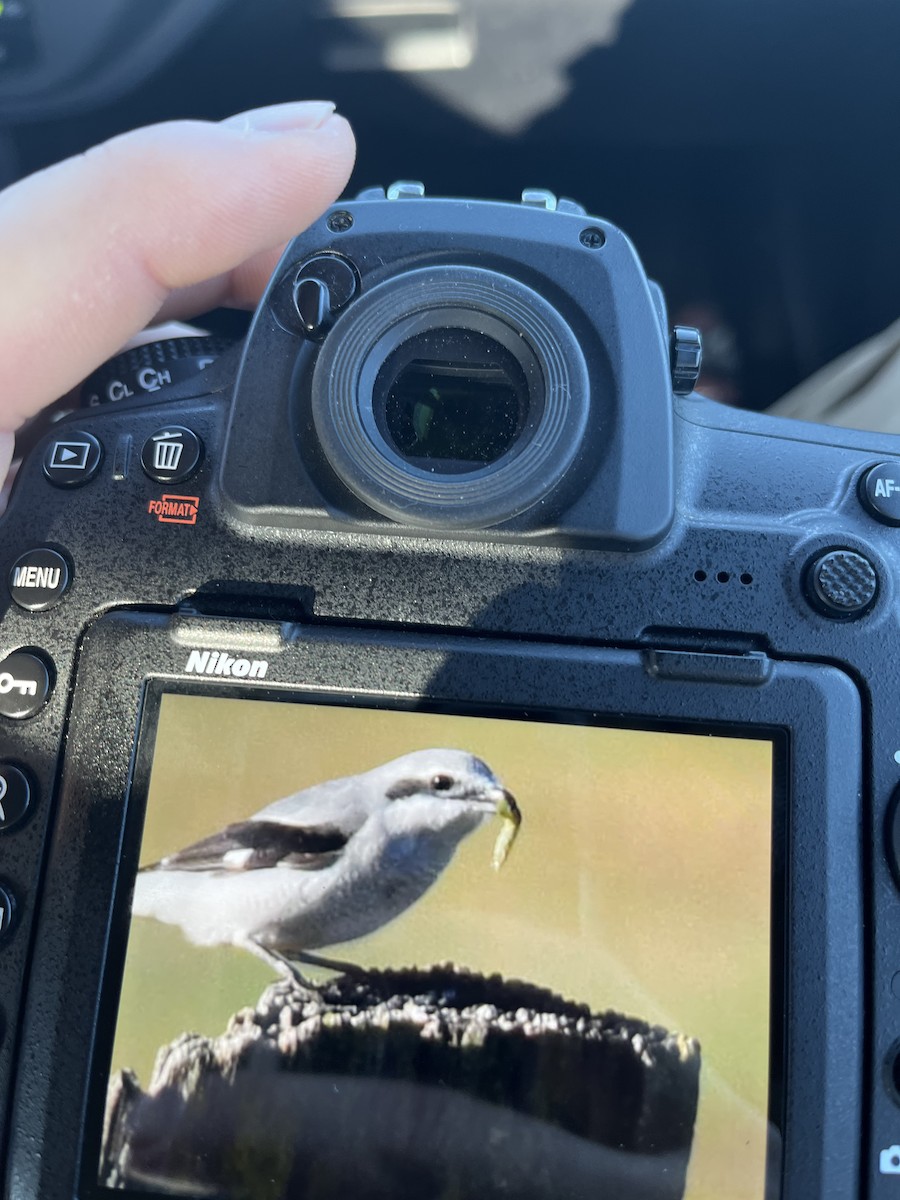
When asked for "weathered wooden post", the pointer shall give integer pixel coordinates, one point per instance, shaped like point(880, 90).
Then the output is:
point(412, 1085)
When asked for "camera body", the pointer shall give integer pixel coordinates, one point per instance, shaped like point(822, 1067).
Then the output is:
point(449, 469)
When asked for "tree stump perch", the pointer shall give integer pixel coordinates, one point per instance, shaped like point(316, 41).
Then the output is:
point(411, 1085)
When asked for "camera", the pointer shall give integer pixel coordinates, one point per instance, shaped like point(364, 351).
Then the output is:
point(448, 555)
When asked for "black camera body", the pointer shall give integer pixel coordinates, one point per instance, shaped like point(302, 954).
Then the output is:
point(449, 471)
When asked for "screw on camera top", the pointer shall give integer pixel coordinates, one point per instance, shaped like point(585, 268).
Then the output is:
point(592, 237)
point(340, 222)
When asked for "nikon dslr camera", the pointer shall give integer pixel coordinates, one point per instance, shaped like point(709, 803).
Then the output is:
point(448, 554)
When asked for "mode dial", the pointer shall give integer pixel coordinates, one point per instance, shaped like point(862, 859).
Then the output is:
point(145, 370)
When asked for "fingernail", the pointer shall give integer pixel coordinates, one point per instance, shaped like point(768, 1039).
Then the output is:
point(281, 118)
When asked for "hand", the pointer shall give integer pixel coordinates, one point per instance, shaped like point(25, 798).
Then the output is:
point(164, 222)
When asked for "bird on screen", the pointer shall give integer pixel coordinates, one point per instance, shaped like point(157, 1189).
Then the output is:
point(330, 863)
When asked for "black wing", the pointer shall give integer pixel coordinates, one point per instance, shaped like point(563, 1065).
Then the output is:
point(253, 845)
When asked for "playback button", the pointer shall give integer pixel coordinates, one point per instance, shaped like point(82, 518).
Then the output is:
point(15, 796)
point(72, 460)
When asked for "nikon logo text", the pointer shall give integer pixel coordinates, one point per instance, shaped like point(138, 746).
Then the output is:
point(216, 662)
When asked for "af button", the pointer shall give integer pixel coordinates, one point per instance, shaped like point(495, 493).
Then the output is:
point(879, 491)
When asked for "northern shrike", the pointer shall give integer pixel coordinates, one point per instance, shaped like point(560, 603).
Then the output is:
point(328, 864)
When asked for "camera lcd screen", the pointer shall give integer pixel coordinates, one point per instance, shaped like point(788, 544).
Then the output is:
point(550, 946)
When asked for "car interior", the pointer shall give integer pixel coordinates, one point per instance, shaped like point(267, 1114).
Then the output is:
point(748, 149)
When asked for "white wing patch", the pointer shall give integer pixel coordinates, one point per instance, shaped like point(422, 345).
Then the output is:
point(236, 860)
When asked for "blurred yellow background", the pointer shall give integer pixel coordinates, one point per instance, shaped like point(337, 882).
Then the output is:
point(640, 882)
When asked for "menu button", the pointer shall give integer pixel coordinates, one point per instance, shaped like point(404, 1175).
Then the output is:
point(39, 579)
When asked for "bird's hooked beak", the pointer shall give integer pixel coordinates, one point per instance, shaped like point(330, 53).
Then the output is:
point(508, 812)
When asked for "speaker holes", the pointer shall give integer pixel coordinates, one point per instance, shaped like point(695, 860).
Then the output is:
point(745, 577)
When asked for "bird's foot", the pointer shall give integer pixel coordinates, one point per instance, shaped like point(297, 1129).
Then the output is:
point(288, 967)
point(285, 967)
point(330, 964)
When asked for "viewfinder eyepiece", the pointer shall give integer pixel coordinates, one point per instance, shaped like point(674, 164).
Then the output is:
point(451, 400)
point(451, 397)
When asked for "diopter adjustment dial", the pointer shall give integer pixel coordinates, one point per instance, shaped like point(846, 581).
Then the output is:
point(143, 371)
point(323, 286)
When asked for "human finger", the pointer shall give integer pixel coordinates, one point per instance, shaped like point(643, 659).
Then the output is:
point(97, 244)
point(240, 288)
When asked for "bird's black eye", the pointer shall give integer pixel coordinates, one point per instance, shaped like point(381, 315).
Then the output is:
point(441, 783)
